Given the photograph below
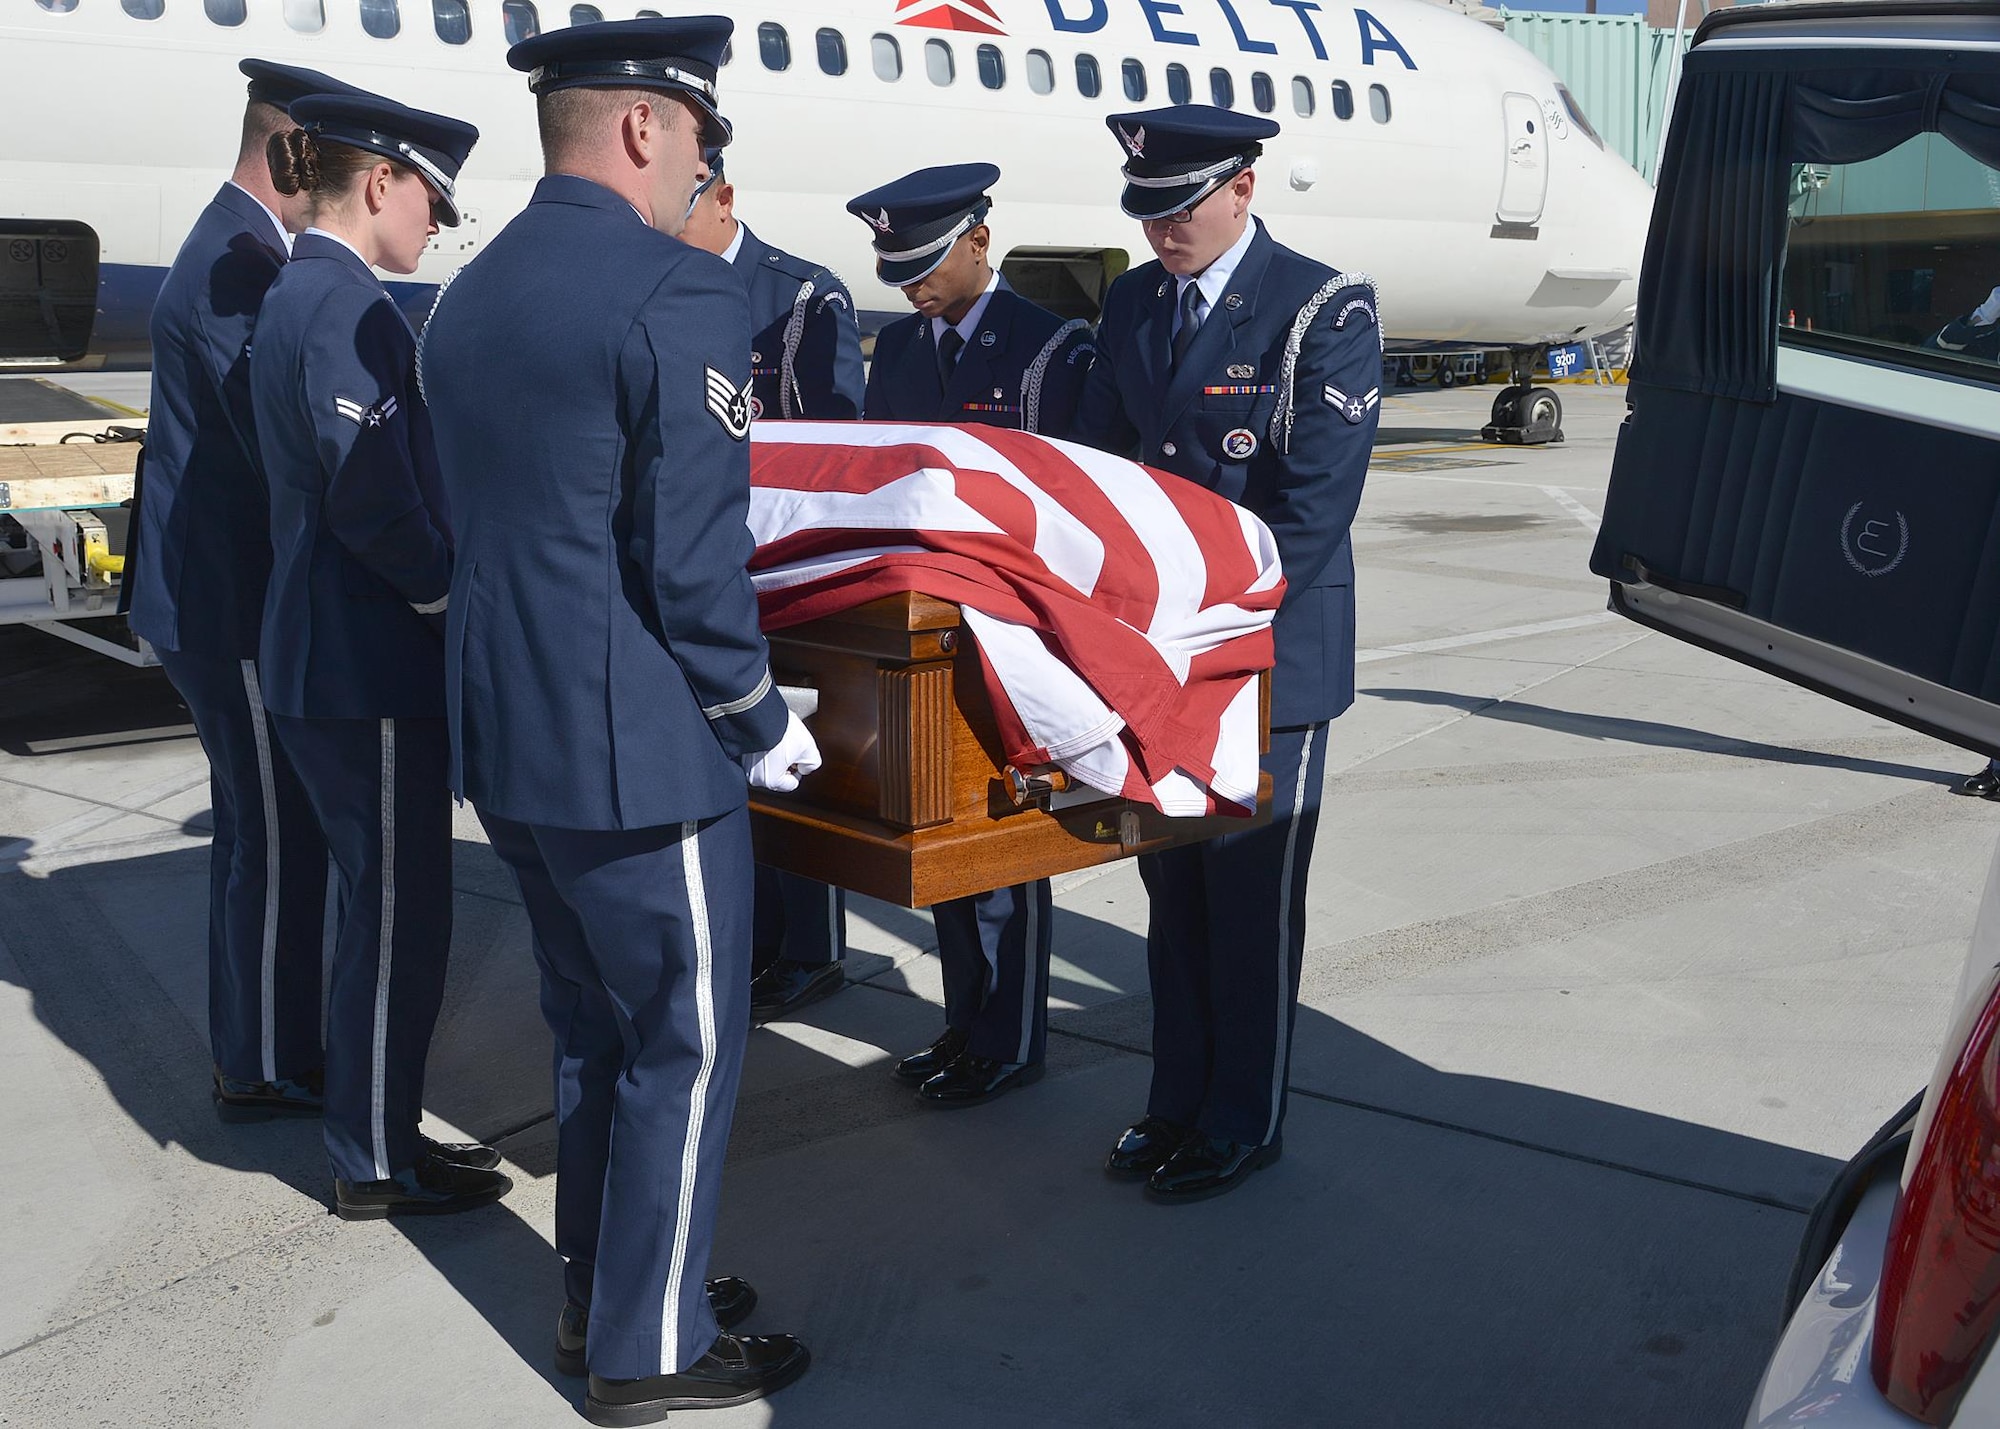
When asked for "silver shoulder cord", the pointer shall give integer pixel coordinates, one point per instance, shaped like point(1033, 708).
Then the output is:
point(1031, 384)
point(423, 337)
point(1281, 420)
point(789, 395)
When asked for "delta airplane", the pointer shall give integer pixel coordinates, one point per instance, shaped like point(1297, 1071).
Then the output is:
point(1420, 145)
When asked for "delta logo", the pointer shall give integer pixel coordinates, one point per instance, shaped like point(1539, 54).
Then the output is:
point(969, 16)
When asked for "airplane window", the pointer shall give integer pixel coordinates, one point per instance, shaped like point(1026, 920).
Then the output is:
point(453, 19)
point(145, 9)
point(1041, 72)
point(520, 20)
point(1303, 98)
point(1378, 103)
point(585, 15)
point(1576, 115)
point(1180, 88)
point(832, 52)
point(888, 58)
point(1343, 100)
point(308, 17)
point(226, 12)
point(63, 7)
point(1089, 79)
point(1135, 81)
point(992, 67)
point(381, 18)
point(774, 45)
point(1263, 93)
point(938, 62)
point(1222, 88)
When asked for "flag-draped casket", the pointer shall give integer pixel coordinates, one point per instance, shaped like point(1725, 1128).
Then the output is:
point(1026, 657)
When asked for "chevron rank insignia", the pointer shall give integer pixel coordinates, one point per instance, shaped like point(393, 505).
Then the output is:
point(729, 404)
point(362, 416)
point(1354, 409)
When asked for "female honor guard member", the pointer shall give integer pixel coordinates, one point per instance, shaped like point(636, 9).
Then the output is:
point(352, 660)
point(805, 364)
point(972, 352)
point(609, 685)
point(199, 565)
point(1240, 365)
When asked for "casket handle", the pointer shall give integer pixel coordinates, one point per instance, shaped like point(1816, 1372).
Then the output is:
point(1032, 786)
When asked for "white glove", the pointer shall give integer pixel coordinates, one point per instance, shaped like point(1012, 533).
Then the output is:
point(1988, 312)
point(780, 769)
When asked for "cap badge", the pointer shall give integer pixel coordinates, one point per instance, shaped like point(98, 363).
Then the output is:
point(1135, 141)
point(987, 339)
point(729, 404)
point(881, 223)
point(1242, 372)
point(1240, 445)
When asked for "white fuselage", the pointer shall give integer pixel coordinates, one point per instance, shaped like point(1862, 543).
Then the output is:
point(128, 125)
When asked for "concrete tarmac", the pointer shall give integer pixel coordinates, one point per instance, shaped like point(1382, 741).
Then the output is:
point(1616, 951)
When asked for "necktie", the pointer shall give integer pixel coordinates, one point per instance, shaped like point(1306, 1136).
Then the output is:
point(1190, 321)
point(949, 346)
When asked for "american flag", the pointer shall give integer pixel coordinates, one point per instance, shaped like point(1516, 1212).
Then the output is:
point(1122, 615)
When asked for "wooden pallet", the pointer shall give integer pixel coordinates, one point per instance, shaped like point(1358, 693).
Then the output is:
point(38, 471)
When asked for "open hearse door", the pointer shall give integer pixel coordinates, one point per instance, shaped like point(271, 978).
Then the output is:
point(1809, 476)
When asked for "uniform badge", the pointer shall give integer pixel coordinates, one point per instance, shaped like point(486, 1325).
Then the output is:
point(756, 409)
point(987, 339)
point(756, 359)
point(1233, 301)
point(365, 417)
point(881, 224)
point(1242, 372)
point(1240, 445)
point(1354, 409)
point(1134, 140)
point(729, 404)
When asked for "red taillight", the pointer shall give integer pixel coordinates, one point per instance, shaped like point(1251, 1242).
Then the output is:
point(1940, 1295)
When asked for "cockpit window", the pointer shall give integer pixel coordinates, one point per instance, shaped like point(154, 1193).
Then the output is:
point(1575, 111)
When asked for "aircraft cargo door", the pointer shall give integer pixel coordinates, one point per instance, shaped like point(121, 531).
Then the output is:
point(1524, 183)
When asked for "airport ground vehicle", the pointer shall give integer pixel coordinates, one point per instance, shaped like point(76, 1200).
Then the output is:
point(1809, 482)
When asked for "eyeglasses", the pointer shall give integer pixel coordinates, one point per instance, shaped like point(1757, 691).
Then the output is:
point(1186, 215)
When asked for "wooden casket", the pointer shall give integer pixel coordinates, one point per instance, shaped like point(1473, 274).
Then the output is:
point(914, 802)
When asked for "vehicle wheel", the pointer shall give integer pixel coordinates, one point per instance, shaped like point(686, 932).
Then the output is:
point(1507, 409)
point(1446, 376)
point(1542, 411)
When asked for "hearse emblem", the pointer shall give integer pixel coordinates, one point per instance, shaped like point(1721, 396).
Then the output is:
point(1874, 545)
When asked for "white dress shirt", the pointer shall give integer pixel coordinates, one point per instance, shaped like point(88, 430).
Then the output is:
point(283, 237)
point(969, 324)
point(735, 246)
point(1214, 279)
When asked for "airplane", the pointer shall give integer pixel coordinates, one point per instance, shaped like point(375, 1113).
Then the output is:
point(1420, 146)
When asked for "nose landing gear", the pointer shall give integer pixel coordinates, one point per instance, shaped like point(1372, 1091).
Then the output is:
point(1525, 415)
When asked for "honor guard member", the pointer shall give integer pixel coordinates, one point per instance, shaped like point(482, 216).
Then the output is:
point(975, 352)
point(1255, 372)
point(352, 658)
point(805, 363)
point(199, 564)
point(610, 688)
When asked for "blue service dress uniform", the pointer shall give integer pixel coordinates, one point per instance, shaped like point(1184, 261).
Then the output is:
point(606, 676)
point(1023, 368)
point(202, 558)
point(1273, 405)
point(805, 365)
point(353, 664)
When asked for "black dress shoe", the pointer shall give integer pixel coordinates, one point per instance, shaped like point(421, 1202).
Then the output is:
point(922, 1066)
point(736, 1370)
point(469, 1154)
point(1983, 785)
point(785, 987)
point(970, 1080)
point(730, 1299)
point(1144, 1148)
point(260, 1101)
point(1207, 1166)
point(432, 1188)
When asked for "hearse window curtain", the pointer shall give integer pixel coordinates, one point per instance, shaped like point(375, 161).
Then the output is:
point(1708, 303)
